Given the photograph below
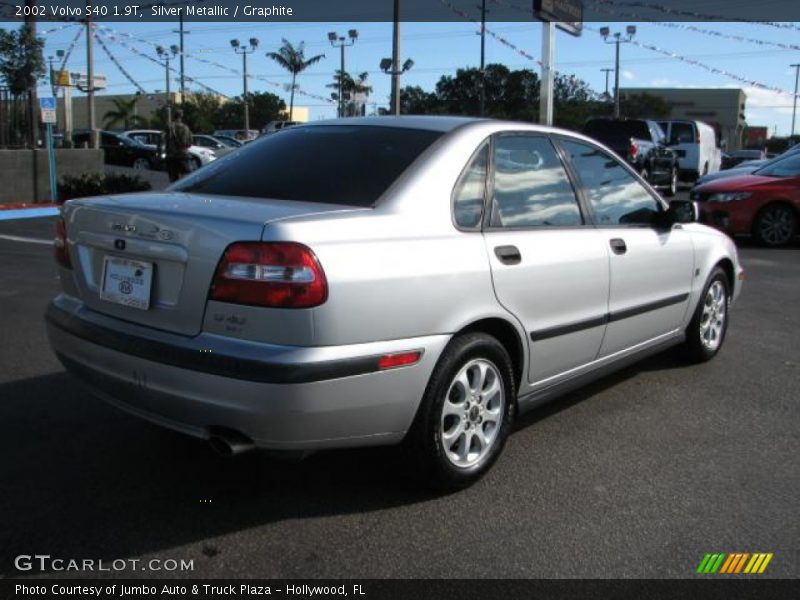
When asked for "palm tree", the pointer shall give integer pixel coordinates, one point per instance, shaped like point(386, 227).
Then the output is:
point(350, 87)
point(294, 60)
point(124, 112)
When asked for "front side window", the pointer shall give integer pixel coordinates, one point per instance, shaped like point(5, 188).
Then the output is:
point(616, 197)
point(531, 188)
point(338, 164)
point(470, 191)
point(786, 167)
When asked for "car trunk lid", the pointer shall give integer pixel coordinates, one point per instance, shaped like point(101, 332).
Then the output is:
point(165, 247)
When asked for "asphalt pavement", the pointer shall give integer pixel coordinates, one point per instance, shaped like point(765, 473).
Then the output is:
point(637, 475)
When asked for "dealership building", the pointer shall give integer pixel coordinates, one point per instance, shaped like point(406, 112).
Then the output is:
point(722, 108)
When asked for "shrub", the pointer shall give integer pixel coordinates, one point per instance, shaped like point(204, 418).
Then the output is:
point(98, 184)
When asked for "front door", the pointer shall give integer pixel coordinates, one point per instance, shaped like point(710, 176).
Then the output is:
point(550, 268)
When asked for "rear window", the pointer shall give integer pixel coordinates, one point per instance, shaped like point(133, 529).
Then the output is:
point(610, 132)
point(338, 164)
point(682, 133)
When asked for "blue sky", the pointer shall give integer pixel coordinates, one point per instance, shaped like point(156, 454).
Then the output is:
point(441, 48)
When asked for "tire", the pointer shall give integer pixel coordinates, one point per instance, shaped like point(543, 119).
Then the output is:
point(672, 188)
point(705, 169)
point(141, 164)
point(706, 333)
point(775, 225)
point(444, 444)
point(196, 163)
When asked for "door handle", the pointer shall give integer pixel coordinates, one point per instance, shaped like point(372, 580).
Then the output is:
point(508, 255)
point(618, 246)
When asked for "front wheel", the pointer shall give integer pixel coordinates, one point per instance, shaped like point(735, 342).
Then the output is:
point(775, 225)
point(706, 332)
point(141, 164)
point(466, 413)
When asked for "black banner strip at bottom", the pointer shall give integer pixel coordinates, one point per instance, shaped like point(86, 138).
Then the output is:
point(707, 588)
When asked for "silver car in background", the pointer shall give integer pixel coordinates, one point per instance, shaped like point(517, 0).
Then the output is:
point(377, 280)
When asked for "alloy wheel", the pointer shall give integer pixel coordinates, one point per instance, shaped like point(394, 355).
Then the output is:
point(776, 225)
point(472, 413)
point(712, 320)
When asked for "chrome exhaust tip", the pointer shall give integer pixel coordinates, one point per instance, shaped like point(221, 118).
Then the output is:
point(227, 442)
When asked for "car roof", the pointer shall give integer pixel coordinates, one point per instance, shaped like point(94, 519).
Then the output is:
point(443, 124)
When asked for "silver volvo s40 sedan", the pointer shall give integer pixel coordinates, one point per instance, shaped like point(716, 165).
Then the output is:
point(383, 280)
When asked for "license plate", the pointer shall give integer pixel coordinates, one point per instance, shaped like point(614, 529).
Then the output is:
point(127, 282)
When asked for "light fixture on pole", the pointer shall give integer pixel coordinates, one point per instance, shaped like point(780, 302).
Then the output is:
point(165, 55)
point(387, 66)
point(244, 51)
point(341, 43)
point(618, 38)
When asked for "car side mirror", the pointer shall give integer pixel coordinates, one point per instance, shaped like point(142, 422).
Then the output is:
point(682, 211)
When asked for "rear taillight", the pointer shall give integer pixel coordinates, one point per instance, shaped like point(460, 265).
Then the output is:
point(60, 243)
point(633, 150)
point(275, 274)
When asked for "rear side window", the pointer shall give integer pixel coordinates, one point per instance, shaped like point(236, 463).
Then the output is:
point(531, 188)
point(470, 191)
point(615, 195)
point(339, 164)
point(682, 133)
point(610, 132)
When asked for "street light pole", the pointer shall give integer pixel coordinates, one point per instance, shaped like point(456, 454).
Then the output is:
point(341, 42)
point(796, 68)
point(94, 140)
point(387, 66)
point(163, 53)
point(607, 71)
point(396, 59)
point(244, 51)
point(483, 57)
point(630, 31)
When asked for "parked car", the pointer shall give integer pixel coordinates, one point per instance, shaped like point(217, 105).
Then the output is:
point(228, 141)
point(274, 126)
point(732, 159)
point(695, 144)
point(152, 137)
point(240, 135)
point(643, 144)
point(765, 202)
point(122, 151)
point(218, 147)
point(746, 167)
point(291, 299)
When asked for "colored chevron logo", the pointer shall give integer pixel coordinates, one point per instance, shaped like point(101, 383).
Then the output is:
point(734, 563)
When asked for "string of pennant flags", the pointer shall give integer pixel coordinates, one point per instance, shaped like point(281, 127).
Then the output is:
point(119, 66)
point(650, 47)
point(70, 48)
point(212, 63)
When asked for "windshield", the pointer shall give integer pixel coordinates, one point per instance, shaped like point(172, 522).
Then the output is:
point(787, 166)
point(338, 164)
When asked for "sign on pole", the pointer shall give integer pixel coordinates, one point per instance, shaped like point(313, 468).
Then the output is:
point(566, 14)
point(47, 106)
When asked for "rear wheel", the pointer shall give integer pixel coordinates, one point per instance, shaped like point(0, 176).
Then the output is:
point(196, 163)
point(775, 225)
point(466, 413)
point(141, 164)
point(672, 186)
point(706, 332)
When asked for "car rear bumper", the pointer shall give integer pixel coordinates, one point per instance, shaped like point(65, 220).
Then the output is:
point(281, 397)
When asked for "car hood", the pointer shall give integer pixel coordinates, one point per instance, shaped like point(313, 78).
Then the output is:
point(734, 183)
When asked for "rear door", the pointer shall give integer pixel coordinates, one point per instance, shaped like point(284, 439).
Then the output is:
point(651, 268)
point(550, 268)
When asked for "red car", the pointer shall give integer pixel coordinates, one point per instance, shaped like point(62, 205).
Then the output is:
point(765, 203)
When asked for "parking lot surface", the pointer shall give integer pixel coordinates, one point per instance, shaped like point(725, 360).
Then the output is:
point(638, 475)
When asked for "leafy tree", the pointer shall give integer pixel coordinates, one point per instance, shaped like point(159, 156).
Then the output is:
point(294, 60)
point(21, 59)
point(199, 111)
point(124, 112)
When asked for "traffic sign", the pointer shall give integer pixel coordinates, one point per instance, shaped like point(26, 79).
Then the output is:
point(566, 14)
point(47, 106)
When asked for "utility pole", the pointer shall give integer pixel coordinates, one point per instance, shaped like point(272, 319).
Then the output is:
point(796, 68)
point(630, 31)
point(94, 140)
point(165, 55)
point(548, 73)
point(483, 57)
point(341, 43)
point(33, 121)
point(396, 59)
point(607, 71)
point(244, 51)
point(181, 31)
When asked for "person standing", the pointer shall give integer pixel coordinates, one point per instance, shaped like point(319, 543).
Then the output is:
point(178, 139)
